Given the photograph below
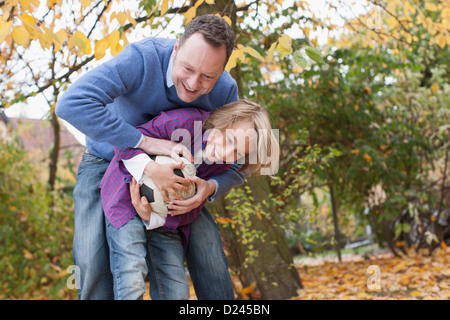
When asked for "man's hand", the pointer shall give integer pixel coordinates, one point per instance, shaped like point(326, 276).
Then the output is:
point(143, 208)
point(164, 147)
point(166, 180)
point(163, 176)
point(204, 190)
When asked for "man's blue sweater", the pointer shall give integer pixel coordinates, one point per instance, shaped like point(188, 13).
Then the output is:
point(108, 102)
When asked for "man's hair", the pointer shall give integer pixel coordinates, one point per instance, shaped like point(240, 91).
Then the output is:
point(215, 30)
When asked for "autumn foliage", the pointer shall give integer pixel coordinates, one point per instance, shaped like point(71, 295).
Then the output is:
point(361, 100)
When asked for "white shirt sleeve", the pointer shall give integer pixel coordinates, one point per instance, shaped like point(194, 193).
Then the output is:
point(136, 166)
point(155, 221)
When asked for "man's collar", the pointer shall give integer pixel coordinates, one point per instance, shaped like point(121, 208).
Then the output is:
point(169, 80)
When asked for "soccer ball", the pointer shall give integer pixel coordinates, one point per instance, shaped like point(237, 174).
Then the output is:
point(152, 193)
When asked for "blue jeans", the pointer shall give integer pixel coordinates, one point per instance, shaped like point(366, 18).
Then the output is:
point(90, 250)
point(134, 252)
point(205, 258)
point(128, 255)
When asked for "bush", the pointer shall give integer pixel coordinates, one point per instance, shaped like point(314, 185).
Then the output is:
point(36, 230)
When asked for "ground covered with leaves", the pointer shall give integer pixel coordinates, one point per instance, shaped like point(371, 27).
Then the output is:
point(415, 276)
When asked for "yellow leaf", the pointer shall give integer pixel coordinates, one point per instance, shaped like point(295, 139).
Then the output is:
point(284, 46)
point(25, 4)
point(431, 6)
point(27, 254)
point(198, 3)
point(82, 42)
point(356, 107)
point(70, 43)
point(100, 48)
point(5, 28)
point(441, 40)
point(399, 244)
point(45, 40)
point(50, 33)
point(28, 23)
point(306, 31)
point(285, 41)
point(122, 18)
point(113, 16)
point(113, 41)
point(20, 36)
point(190, 14)
point(164, 7)
point(113, 38)
point(11, 3)
point(434, 87)
point(250, 289)
point(355, 151)
point(116, 49)
point(250, 51)
point(85, 3)
point(236, 54)
point(209, 1)
point(416, 293)
point(61, 35)
point(131, 19)
point(271, 51)
point(258, 215)
point(367, 157)
point(227, 19)
point(224, 220)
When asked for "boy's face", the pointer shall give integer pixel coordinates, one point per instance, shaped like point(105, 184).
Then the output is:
point(197, 66)
point(231, 145)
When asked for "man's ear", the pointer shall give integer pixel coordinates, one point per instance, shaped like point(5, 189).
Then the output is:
point(175, 48)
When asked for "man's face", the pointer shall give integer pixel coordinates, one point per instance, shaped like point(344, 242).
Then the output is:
point(197, 66)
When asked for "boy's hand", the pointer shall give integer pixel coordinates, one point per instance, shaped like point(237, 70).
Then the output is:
point(143, 208)
point(204, 190)
point(166, 180)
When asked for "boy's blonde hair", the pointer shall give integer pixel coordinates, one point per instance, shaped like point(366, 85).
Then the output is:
point(267, 143)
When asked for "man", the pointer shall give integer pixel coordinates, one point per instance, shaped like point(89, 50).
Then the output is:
point(106, 104)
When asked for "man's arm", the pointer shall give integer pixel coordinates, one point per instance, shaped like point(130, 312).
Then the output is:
point(84, 103)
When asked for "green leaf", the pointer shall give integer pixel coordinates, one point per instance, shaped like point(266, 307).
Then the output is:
point(299, 60)
point(398, 230)
point(314, 55)
point(406, 227)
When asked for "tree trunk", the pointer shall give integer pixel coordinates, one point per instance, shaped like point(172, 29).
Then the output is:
point(335, 222)
point(54, 153)
point(269, 268)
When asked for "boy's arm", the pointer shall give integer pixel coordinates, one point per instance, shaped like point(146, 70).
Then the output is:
point(150, 219)
point(226, 181)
